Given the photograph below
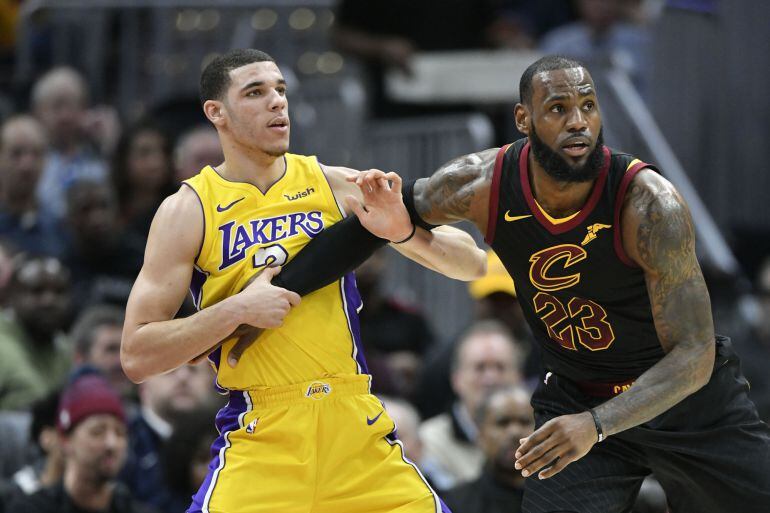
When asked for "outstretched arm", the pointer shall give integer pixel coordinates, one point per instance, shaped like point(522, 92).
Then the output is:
point(444, 249)
point(457, 191)
point(658, 235)
point(375, 198)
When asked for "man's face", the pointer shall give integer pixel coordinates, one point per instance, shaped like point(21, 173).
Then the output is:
point(200, 150)
point(508, 419)
point(486, 361)
point(41, 295)
point(22, 158)
point(92, 213)
point(105, 356)
point(148, 164)
point(564, 125)
point(96, 446)
point(181, 390)
point(62, 113)
point(257, 110)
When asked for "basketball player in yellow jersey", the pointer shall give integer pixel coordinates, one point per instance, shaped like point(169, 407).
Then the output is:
point(300, 433)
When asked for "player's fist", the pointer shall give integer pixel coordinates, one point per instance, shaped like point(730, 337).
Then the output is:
point(264, 305)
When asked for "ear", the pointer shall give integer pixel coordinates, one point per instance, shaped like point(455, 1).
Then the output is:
point(215, 112)
point(522, 116)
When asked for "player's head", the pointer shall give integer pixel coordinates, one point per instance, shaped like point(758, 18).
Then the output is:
point(559, 112)
point(504, 416)
point(243, 94)
point(486, 357)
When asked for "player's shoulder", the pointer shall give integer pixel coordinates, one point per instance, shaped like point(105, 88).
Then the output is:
point(652, 200)
point(185, 201)
point(179, 214)
point(337, 172)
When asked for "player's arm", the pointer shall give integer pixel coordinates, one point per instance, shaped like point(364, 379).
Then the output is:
point(345, 245)
point(658, 235)
point(457, 191)
point(375, 197)
point(153, 341)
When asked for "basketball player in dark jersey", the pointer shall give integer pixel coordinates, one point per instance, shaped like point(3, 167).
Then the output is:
point(602, 250)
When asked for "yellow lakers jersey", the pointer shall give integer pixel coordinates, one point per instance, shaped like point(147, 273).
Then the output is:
point(247, 230)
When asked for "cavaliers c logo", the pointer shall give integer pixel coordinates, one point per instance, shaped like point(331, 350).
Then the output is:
point(565, 254)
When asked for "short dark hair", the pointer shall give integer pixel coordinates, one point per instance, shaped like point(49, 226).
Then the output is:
point(92, 319)
point(547, 63)
point(215, 77)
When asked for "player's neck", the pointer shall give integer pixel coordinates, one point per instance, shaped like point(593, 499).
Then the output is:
point(254, 167)
point(558, 198)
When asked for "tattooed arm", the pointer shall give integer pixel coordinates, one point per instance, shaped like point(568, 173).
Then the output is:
point(458, 190)
point(659, 236)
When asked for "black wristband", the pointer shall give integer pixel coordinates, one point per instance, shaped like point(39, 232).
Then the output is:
point(598, 425)
point(407, 192)
point(409, 237)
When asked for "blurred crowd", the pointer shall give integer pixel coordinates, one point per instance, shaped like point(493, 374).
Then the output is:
point(78, 189)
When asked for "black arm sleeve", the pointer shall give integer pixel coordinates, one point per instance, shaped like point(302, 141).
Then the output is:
point(329, 256)
point(407, 192)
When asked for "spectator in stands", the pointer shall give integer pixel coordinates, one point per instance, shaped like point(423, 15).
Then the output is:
point(104, 260)
point(408, 421)
point(92, 424)
point(494, 298)
point(504, 417)
point(47, 463)
point(34, 353)
point(142, 175)
point(395, 336)
point(485, 357)
point(163, 399)
point(24, 222)
point(59, 101)
point(187, 452)
point(95, 337)
point(603, 33)
point(196, 148)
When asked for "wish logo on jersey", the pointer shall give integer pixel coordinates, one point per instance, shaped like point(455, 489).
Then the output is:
point(238, 238)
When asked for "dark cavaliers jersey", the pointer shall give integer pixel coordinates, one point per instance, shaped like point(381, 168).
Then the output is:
point(584, 299)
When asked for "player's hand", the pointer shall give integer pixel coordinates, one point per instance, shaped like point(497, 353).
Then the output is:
point(557, 443)
point(248, 333)
point(264, 305)
point(383, 212)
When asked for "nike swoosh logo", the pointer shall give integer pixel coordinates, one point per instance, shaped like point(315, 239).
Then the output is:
point(220, 208)
point(509, 217)
point(375, 419)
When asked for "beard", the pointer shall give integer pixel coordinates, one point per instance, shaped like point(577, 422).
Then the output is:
point(560, 169)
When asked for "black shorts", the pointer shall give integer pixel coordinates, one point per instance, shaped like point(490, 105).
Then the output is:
point(711, 453)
